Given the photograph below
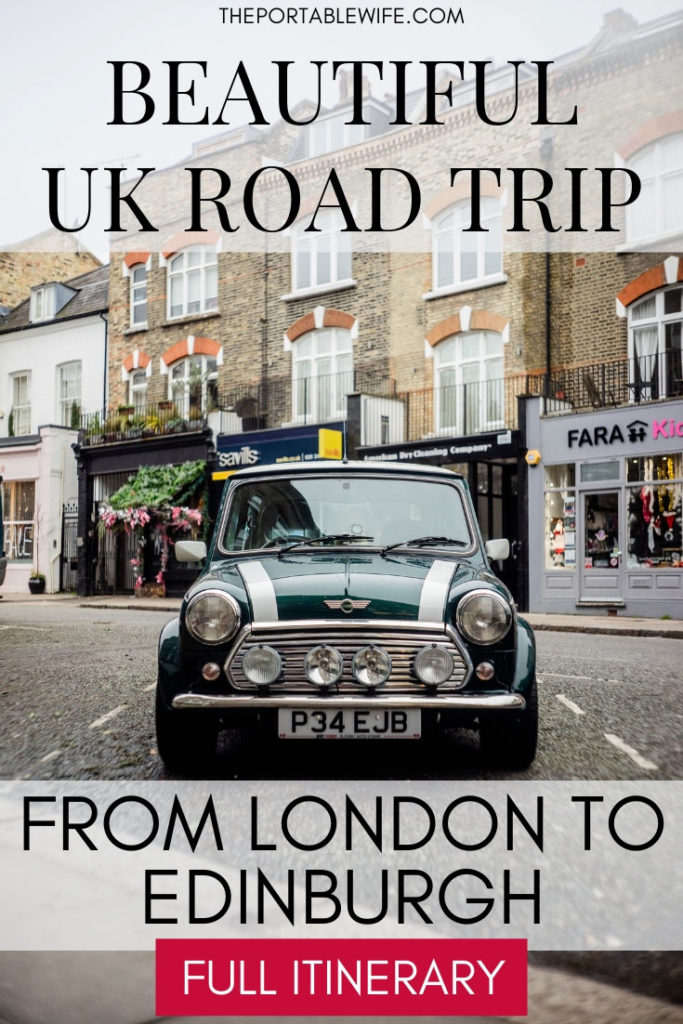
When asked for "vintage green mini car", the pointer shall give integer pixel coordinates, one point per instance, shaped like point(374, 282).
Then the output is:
point(346, 600)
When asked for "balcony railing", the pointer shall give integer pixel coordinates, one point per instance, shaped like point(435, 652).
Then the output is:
point(132, 422)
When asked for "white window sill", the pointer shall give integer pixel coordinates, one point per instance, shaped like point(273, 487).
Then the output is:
point(465, 286)
point(319, 289)
point(188, 318)
point(137, 328)
point(652, 243)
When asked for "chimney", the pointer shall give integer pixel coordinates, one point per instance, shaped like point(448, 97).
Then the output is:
point(619, 21)
point(344, 79)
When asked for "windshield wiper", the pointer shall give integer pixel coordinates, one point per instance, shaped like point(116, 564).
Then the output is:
point(325, 538)
point(419, 542)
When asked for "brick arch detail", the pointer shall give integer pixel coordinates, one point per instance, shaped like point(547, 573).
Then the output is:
point(480, 320)
point(646, 282)
point(460, 190)
point(185, 238)
point(136, 361)
point(331, 318)
point(650, 131)
point(191, 346)
point(131, 259)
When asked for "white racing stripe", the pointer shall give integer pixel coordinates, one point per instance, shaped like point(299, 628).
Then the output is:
point(261, 591)
point(435, 591)
point(631, 752)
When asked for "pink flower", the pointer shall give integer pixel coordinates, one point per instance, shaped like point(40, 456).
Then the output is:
point(134, 561)
point(138, 582)
point(159, 577)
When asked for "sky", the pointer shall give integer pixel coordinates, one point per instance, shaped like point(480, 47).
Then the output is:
point(56, 90)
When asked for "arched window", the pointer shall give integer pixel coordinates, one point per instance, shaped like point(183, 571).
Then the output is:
point(320, 258)
point(193, 385)
point(658, 211)
point(138, 295)
point(468, 383)
point(322, 375)
point(192, 281)
point(137, 389)
point(655, 323)
point(467, 257)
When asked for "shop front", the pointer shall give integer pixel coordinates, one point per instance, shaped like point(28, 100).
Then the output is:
point(489, 462)
point(268, 447)
point(605, 510)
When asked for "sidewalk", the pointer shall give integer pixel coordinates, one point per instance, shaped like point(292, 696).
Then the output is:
point(614, 625)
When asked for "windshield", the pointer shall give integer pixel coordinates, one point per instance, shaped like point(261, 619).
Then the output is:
point(367, 511)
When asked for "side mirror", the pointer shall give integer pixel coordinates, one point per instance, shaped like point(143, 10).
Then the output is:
point(497, 550)
point(190, 550)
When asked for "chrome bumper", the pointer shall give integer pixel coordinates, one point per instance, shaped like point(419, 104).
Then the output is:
point(452, 702)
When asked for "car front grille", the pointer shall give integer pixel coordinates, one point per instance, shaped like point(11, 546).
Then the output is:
point(401, 646)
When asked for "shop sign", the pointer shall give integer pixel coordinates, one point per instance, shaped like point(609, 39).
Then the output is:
point(595, 436)
point(272, 447)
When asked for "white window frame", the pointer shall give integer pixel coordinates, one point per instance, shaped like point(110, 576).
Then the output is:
point(327, 135)
point(180, 269)
point(137, 389)
point(19, 533)
point(138, 295)
point(312, 247)
point(204, 370)
point(69, 378)
point(43, 303)
point(462, 404)
point(648, 350)
point(322, 375)
point(655, 183)
point(479, 243)
point(21, 410)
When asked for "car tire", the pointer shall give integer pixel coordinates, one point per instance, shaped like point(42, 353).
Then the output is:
point(186, 740)
point(509, 740)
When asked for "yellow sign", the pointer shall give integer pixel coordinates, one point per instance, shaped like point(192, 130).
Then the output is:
point(532, 457)
point(330, 444)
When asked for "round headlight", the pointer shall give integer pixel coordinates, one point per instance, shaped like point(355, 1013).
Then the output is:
point(212, 617)
point(262, 665)
point(371, 666)
point(323, 666)
point(484, 617)
point(433, 665)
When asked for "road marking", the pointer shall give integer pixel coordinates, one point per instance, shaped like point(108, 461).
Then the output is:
point(642, 762)
point(41, 629)
point(564, 675)
point(109, 715)
point(50, 757)
point(570, 704)
point(152, 686)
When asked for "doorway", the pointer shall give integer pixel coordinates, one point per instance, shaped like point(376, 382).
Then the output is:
point(600, 551)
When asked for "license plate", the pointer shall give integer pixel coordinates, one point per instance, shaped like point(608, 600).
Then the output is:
point(349, 724)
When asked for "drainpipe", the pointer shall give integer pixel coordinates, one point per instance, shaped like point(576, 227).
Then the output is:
point(547, 143)
point(105, 320)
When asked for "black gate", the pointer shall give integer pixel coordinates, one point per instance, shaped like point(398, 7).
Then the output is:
point(68, 564)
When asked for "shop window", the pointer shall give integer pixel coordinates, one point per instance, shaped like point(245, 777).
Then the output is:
point(322, 375)
point(656, 361)
point(193, 386)
point(595, 471)
point(654, 497)
point(193, 281)
point(467, 257)
point(321, 258)
point(137, 389)
point(138, 295)
point(18, 503)
point(560, 517)
point(468, 383)
point(21, 403)
point(659, 210)
point(69, 394)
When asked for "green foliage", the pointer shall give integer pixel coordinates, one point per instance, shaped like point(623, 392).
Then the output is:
point(75, 416)
point(10, 424)
point(155, 486)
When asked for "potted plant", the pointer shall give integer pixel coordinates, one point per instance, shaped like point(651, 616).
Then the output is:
point(36, 583)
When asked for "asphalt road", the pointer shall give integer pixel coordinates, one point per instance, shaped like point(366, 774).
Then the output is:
point(77, 685)
point(77, 697)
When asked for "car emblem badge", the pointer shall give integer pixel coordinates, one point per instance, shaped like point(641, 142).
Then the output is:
point(346, 605)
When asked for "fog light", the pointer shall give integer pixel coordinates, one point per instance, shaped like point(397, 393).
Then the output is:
point(371, 666)
point(211, 671)
point(262, 665)
point(323, 666)
point(433, 665)
point(485, 671)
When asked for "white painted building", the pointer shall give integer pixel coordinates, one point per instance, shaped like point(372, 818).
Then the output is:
point(53, 351)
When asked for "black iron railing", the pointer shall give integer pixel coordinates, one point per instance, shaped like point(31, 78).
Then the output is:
point(130, 422)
